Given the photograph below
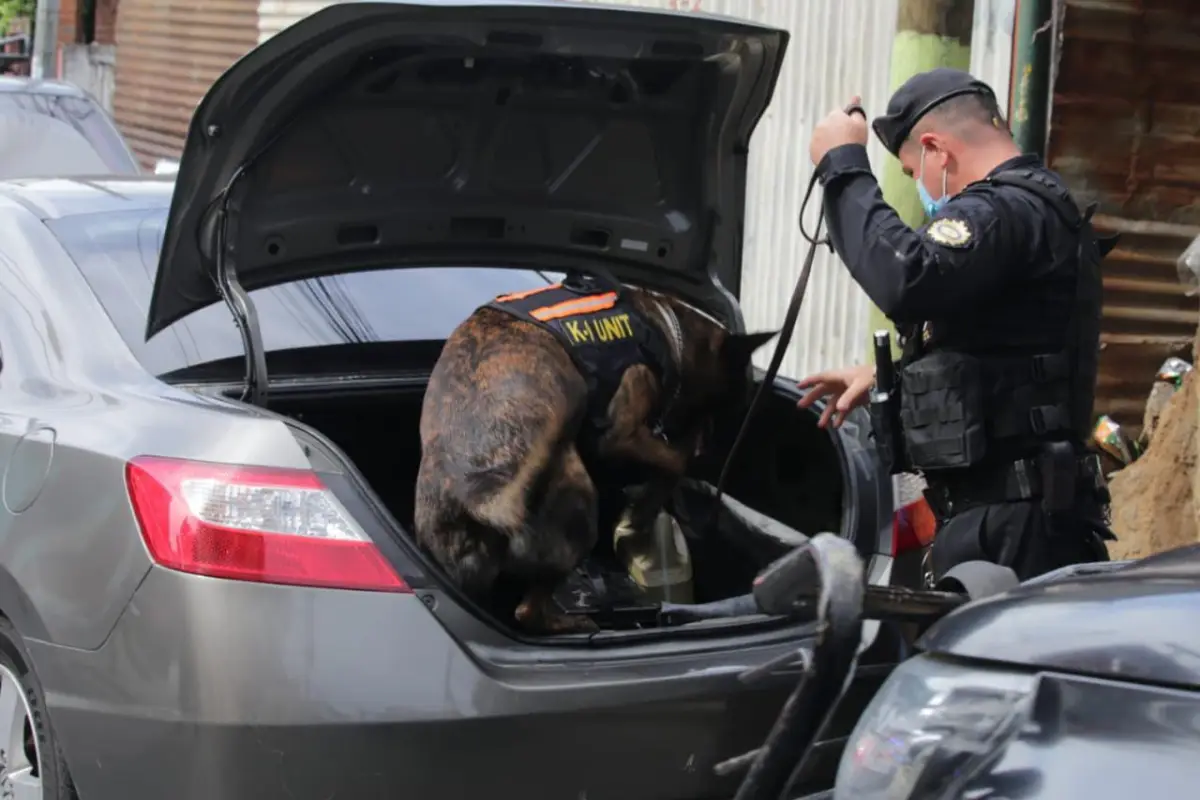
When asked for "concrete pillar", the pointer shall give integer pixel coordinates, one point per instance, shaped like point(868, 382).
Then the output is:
point(45, 40)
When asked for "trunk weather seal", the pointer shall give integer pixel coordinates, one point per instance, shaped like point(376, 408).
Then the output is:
point(245, 315)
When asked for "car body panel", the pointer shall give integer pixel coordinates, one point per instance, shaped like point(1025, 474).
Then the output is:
point(645, 174)
point(1088, 739)
point(1132, 623)
point(74, 407)
point(209, 688)
point(1099, 740)
point(55, 198)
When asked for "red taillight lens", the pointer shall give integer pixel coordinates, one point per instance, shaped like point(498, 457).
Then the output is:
point(913, 523)
point(253, 524)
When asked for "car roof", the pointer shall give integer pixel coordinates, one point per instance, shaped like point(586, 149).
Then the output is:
point(13, 83)
point(55, 198)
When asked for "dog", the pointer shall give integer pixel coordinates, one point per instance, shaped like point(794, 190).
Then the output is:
point(541, 395)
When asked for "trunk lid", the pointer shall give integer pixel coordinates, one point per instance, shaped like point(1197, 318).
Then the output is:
point(536, 134)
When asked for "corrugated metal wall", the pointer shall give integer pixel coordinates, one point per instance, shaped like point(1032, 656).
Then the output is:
point(171, 51)
point(839, 48)
point(992, 44)
point(1125, 132)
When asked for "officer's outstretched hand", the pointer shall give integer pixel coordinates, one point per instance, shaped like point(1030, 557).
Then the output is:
point(847, 389)
point(838, 128)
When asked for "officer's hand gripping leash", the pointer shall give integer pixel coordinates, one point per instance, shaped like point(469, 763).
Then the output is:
point(789, 321)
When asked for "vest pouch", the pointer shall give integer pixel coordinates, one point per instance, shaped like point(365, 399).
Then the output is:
point(888, 434)
point(942, 411)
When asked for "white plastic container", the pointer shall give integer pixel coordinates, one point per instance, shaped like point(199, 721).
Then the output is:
point(658, 560)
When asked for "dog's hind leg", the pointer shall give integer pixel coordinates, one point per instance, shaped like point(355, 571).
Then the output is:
point(473, 558)
point(560, 534)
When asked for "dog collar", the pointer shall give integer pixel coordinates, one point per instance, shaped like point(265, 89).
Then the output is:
point(674, 335)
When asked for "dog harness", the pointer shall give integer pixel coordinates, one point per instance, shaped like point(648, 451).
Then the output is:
point(604, 335)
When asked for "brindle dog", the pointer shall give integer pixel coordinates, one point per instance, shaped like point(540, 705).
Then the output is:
point(503, 488)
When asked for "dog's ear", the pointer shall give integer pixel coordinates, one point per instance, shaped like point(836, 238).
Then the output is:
point(1107, 243)
point(738, 348)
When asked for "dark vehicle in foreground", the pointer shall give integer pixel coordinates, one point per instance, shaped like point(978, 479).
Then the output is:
point(50, 128)
point(208, 424)
point(1082, 683)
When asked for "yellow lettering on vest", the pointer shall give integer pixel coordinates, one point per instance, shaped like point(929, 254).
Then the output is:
point(626, 325)
point(576, 331)
point(603, 330)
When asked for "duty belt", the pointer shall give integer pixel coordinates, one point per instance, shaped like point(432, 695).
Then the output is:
point(1020, 480)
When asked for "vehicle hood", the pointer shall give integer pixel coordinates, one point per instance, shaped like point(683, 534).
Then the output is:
point(1134, 623)
point(539, 135)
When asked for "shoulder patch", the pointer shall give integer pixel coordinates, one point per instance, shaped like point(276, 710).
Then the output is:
point(950, 232)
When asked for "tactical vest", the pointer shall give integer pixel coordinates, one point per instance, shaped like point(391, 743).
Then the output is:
point(957, 408)
point(603, 333)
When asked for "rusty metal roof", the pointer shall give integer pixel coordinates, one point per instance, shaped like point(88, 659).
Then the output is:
point(1125, 133)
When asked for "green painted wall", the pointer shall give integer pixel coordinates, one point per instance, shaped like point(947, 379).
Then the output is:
point(931, 33)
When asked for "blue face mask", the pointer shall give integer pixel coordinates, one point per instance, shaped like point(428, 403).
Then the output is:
point(931, 206)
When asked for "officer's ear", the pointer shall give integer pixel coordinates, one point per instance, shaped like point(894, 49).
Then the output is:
point(738, 348)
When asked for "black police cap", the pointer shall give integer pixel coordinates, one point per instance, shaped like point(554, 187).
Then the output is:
point(918, 96)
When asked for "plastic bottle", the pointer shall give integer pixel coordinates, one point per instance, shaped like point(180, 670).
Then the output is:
point(658, 560)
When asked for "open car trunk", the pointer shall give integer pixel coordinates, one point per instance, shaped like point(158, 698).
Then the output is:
point(787, 484)
point(540, 136)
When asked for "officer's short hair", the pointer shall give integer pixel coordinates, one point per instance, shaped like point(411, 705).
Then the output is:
point(962, 113)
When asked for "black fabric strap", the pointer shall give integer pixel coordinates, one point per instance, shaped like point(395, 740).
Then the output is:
point(1037, 183)
point(1058, 198)
point(1020, 480)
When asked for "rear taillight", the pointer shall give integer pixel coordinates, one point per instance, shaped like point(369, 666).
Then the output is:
point(253, 524)
point(913, 523)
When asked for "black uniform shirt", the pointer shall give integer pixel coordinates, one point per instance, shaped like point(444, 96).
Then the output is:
point(980, 275)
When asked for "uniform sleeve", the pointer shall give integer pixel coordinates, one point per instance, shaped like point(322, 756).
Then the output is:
point(959, 259)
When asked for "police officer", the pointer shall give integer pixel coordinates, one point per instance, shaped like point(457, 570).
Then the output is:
point(997, 302)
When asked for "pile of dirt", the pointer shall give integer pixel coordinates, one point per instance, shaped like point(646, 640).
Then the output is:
point(1154, 499)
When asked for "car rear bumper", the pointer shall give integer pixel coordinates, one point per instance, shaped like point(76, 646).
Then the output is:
point(218, 689)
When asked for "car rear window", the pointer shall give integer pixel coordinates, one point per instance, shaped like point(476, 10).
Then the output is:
point(49, 134)
point(118, 256)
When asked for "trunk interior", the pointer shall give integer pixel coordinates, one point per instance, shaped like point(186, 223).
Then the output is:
point(789, 471)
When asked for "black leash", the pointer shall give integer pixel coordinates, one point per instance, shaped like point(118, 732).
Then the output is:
point(789, 326)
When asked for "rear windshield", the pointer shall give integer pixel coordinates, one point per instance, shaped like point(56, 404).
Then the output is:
point(118, 255)
point(48, 134)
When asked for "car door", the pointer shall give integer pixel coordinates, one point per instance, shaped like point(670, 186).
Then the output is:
point(65, 571)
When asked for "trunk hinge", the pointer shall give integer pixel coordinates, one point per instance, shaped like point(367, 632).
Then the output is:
point(238, 300)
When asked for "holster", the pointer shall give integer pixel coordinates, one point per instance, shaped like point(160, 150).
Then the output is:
point(1059, 468)
point(889, 436)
